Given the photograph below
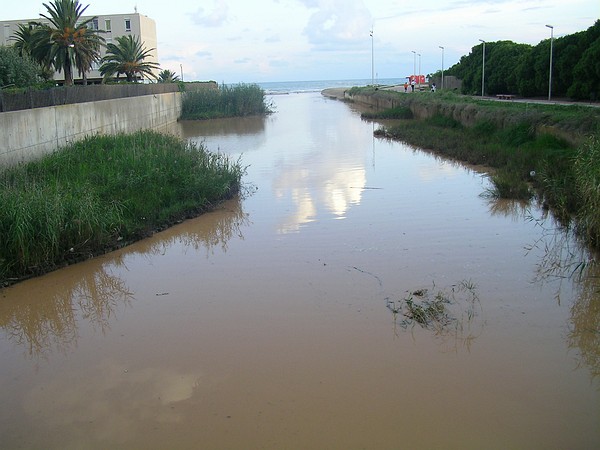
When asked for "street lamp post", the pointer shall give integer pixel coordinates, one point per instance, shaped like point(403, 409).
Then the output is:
point(181, 70)
point(483, 69)
point(372, 60)
point(419, 70)
point(414, 65)
point(550, 75)
point(442, 66)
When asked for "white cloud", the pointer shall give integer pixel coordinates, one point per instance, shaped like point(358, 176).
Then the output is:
point(328, 39)
point(215, 18)
point(337, 24)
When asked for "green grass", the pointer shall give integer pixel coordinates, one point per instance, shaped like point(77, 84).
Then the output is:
point(587, 187)
point(227, 101)
point(401, 112)
point(101, 192)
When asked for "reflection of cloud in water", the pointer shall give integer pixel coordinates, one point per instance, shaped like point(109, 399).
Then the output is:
point(345, 189)
point(117, 399)
point(305, 211)
point(444, 168)
point(341, 190)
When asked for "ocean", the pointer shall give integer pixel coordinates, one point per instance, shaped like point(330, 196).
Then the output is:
point(289, 87)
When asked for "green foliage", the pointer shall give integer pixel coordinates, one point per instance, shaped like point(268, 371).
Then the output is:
point(443, 121)
point(500, 60)
point(512, 68)
point(516, 135)
point(66, 40)
point(400, 112)
point(227, 101)
point(586, 75)
point(167, 76)
point(587, 178)
point(485, 128)
point(102, 190)
point(128, 56)
point(17, 71)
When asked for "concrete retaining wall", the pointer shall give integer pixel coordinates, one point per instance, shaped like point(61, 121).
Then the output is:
point(29, 134)
point(469, 114)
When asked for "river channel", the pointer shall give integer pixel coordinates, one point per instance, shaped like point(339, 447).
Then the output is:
point(279, 320)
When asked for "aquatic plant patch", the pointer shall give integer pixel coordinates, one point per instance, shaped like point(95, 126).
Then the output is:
point(102, 192)
point(440, 310)
point(226, 101)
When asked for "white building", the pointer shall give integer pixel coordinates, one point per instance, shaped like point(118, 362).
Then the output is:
point(114, 25)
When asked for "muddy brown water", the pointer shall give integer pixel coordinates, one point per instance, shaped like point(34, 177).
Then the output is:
point(269, 323)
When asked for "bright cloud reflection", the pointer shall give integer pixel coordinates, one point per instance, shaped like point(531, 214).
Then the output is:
point(342, 190)
point(345, 190)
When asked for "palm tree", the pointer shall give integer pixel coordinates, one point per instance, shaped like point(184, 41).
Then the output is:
point(68, 40)
point(127, 57)
point(167, 76)
point(23, 38)
point(29, 43)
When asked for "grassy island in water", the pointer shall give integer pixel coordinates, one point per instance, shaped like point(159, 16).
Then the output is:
point(100, 193)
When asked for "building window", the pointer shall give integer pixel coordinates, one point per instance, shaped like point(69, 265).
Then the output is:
point(107, 25)
point(127, 24)
point(94, 24)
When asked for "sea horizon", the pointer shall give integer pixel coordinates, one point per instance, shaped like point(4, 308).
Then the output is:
point(289, 87)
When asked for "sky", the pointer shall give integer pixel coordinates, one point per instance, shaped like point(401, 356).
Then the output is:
point(248, 41)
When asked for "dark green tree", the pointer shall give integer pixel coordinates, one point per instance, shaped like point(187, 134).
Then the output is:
point(167, 76)
point(16, 70)
point(586, 75)
point(68, 40)
point(128, 56)
point(26, 42)
point(525, 70)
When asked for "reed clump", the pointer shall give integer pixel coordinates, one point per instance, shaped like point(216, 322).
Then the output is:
point(226, 101)
point(100, 193)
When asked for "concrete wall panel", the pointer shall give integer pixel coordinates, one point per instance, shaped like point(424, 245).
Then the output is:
point(29, 134)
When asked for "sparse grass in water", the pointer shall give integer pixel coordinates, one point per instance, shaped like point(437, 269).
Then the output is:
point(508, 185)
point(443, 311)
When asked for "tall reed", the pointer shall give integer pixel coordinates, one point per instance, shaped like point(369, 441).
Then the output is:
point(105, 189)
point(226, 101)
point(587, 177)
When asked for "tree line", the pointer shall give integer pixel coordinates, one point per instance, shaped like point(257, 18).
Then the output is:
point(522, 69)
point(66, 42)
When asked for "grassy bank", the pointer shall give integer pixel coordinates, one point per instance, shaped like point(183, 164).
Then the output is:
point(552, 152)
point(102, 192)
point(227, 101)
